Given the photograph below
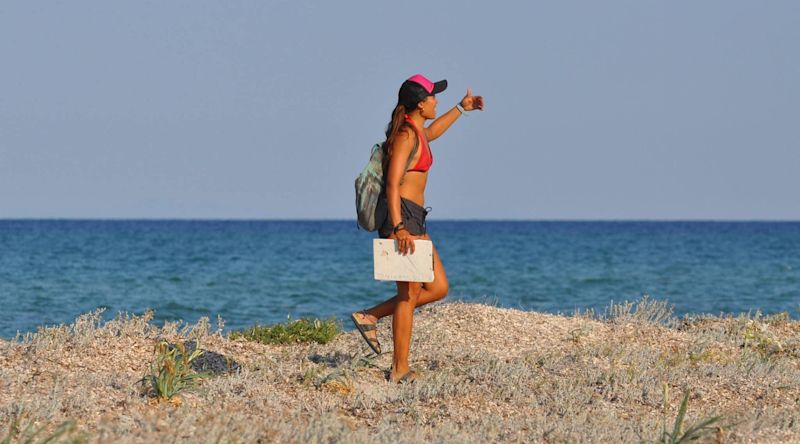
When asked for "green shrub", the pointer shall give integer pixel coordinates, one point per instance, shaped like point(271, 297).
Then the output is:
point(292, 332)
point(171, 371)
point(757, 337)
point(691, 433)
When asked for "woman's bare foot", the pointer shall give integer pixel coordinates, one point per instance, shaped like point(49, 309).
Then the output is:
point(367, 326)
point(365, 318)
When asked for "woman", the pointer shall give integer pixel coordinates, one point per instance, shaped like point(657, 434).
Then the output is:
point(405, 195)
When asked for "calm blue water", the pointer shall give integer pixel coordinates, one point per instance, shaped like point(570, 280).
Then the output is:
point(262, 271)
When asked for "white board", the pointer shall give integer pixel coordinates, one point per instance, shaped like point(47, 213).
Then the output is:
point(390, 265)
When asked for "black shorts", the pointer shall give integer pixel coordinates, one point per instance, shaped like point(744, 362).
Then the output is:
point(413, 218)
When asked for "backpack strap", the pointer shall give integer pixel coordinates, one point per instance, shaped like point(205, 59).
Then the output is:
point(410, 123)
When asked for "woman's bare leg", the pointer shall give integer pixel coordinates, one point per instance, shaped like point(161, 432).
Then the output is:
point(431, 292)
point(402, 323)
point(410, 295)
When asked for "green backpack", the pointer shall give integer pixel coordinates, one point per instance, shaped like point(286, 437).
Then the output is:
point(371, 208)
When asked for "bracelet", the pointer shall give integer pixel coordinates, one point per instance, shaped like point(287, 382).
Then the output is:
point(398, 227)
point(461, 109)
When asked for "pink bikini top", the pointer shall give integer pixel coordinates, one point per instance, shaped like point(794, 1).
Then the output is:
point(426, 156)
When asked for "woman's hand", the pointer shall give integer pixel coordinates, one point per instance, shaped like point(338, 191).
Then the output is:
point(470, 102)
point(405, 241)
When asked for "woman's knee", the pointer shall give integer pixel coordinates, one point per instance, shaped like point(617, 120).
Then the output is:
point(442, 290)
point(439, 290)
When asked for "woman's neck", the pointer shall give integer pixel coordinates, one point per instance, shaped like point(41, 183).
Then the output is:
point(417, 118)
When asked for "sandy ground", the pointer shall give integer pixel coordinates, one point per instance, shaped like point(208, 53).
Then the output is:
point(486, 374)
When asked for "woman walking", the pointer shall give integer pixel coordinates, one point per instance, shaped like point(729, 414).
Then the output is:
point(405, 195)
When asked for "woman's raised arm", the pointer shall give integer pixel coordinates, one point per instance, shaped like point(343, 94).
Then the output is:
point(440, 125)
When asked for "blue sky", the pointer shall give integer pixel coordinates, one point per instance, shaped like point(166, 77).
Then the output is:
point(262, 110)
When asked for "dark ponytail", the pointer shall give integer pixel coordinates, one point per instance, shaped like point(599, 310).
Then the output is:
point(397, 122)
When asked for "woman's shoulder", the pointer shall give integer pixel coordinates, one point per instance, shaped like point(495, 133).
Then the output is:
point(405, 135)
point(407, 130)
point(403, 143)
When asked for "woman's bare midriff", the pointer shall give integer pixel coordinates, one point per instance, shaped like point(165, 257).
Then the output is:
point(413, 187)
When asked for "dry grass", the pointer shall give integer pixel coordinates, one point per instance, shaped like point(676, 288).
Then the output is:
point(487, 374)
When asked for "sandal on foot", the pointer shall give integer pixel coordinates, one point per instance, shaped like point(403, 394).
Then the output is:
point(408, 378)
point(363, 329)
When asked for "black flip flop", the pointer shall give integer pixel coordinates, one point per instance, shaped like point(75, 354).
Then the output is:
point(363, 329)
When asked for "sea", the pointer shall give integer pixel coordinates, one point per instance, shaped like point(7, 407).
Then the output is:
point(264, 272)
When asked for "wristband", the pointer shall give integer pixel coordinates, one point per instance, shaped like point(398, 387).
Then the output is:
point(460, 108)
point(398, 227)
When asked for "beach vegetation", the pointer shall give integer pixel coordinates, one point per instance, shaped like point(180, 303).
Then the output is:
point(645, 310)
point(66, 432)
point(338, 379)
point(292, 332)
point(485, 374)
point(171, 371)
point(756, 336)
point(691, 433)
point(312, 375)
point(576, 334)
point(778, 319)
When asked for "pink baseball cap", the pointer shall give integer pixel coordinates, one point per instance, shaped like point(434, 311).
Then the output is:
point(432, 88)
point(416, 88)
